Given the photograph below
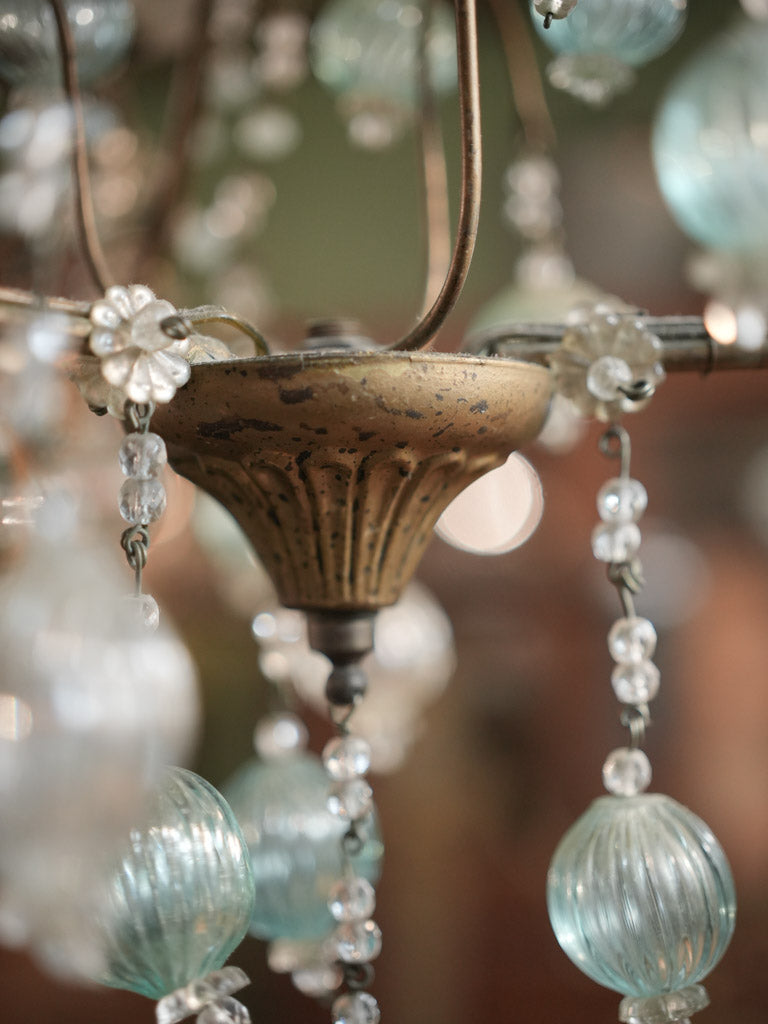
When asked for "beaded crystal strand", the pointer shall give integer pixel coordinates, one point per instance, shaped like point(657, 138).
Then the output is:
point(639, 891)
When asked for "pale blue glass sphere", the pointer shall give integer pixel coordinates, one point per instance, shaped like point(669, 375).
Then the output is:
point(182, 898)
point(640, 895)
point(710, 142)
point(632, 31)
point(295, 844)
point(102, 31)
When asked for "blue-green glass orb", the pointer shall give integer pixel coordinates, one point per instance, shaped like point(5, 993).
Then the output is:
point(294, 843)
point(640, 895)
point(102, 32)
point(631, 31)
point(710, 142)
point(182, 898)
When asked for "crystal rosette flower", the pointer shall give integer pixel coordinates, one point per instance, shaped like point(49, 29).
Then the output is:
point(140, 353)
point(608, 363)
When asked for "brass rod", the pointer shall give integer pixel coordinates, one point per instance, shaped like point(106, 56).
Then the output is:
point(471, 174)
point(90, 245)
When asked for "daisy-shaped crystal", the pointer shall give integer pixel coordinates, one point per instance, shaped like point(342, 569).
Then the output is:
point(136, 337)
point(608, 363)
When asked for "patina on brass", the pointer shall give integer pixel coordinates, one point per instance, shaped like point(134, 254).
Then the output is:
point(338, 465)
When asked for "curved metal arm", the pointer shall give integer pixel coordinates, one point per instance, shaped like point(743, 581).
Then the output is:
point(471, 173)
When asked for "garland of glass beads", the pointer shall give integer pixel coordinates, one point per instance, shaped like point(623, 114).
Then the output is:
point(357, 938)
point(621, 502)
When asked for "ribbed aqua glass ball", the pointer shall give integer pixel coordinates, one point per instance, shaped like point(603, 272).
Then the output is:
point(294, 843)
point(640, 895)
point(710, 142)
point(180, 902)
point(632, 31)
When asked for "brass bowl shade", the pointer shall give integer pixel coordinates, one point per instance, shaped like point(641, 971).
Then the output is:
point(338, 465)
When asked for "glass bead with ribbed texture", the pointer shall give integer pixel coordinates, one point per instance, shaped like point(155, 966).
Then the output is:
point(295, 845)
point(181, 900)
point(142, 456)
point(640, 895)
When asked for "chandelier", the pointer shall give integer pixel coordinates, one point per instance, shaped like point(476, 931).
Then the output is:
point(182, 186)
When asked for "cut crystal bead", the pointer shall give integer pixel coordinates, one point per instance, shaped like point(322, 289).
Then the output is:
point(636, 684)
point(626, 772)
point(142, 501)
point(606, 376)
point(351, 800)
point(142, 455)
point(622, 500)
point(615, 542)
point(632, 640)
point(279, 735)
point(143, 612)
point(347, 757)
point(356, 1008)
point(358, 942)
point(352, 899)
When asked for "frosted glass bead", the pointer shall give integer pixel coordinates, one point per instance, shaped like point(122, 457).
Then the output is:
point(606, 376)
point(142, 456)
point(142, 501)
point(632, 640)
point(708, 142)
point(626, 772)
point(351, 800)
point(356, 1008)
point(352, 899)
point(636, 684)
point(279, 736)
point(622, 500)
point(181, 901)
point(295, 845)
point(640, 895)
point(615, 542)
point(347, 757)
point(143, 612)
point(358, 942)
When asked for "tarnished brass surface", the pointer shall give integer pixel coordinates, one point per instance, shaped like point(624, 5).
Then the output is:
point(337, 466)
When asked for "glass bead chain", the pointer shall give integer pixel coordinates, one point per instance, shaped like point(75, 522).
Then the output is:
point(142, 499)
point(621, 502)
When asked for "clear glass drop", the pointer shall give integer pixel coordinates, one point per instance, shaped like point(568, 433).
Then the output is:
point(183, 896)
point(640, 895)
point(352, 899)
point(358, 942)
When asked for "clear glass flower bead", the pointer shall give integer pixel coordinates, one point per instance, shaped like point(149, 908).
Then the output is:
point(352, 899)
point(636, 684)
point(142, 501)
point(279, 736)
point(355, 1008)
point(347, 757)
point(626, 772)
point(358, 942)
point(606, 376)
point(351, 800)
point(622, 500)
point(142, 456)
point(632, 640)
point(615, 542)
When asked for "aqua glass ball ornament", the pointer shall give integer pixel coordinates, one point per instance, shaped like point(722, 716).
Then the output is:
point(602, 41)
point(366, 51)
point(294, 841)
point(180, 901)
point(641, 898)
point(710, 147)
point(102, 32)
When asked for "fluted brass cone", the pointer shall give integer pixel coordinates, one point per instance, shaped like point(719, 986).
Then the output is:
point(337, 466)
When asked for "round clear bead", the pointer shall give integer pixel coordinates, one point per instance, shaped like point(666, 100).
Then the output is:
point(615, 542)
point(632, 640)
point(606, 376)
point(358, 942)
point(626, 772)
point(347, 757)
point(351, 800)
point(143, 612)
point(352, 899)
point(279, 736)
point(636, 684)
point(142, 501)
point(355, 1008)
point(142, 456)
point(622, 500)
